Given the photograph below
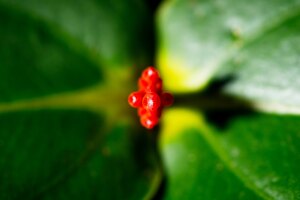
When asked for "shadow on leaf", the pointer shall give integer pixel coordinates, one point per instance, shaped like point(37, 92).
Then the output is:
point(218, 108)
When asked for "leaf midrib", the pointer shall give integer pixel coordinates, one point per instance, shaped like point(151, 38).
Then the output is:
point(96, 98)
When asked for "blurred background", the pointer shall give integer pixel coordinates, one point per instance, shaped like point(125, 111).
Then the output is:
point(67, 68)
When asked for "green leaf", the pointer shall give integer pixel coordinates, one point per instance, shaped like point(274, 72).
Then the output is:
point(105, 30)
point(198, 38)
point(63, 154)
point(38, 64)
point(265, 73)
point(246, 55)
point(238, 156)
point(66, 129)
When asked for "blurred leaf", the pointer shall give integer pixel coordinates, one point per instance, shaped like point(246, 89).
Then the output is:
point(198, 38)
point(67, 154)
point(66, 131)
point(242, 156)
point(36, 63)
point(107, 31)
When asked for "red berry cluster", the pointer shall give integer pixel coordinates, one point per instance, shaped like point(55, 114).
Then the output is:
point(150, 99)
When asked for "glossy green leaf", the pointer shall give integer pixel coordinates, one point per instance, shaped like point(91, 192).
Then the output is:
point(198, 38)
point(238, 156)
point(246, 55)
point(66, 129)
point(265, 73)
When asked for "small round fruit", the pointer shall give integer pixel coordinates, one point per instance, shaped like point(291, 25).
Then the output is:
point(150, 74)
point(151, 101)
point(156, 113)
point(167, 99)
point(158, 85)
point(155, 86)
point(143, 84)
point(135, 99)
point(142, 111)
point(149, 121)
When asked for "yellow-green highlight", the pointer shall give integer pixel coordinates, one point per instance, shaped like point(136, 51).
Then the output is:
point(175, 121)
point(179, 78)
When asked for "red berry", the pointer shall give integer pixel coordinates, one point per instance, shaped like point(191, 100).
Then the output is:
point(150, 74)
point(142, 111)
point(143, 84)
point(151, 101)
point(156, 113)
point(149, 121)
point(158, 85)
point(135, 99)
point(167, 99)
point(155, 86)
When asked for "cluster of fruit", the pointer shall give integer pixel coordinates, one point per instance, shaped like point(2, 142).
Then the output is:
point(150, 99)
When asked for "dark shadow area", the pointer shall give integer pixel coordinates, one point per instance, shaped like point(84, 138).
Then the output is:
point(153, 5)
point(143, 143)
point(162, 189)
point(218, 107)
point(150, 137)
point(222, 119)
point(218, 84)
point(149, 43)
point(146, 141)
point(163, 185)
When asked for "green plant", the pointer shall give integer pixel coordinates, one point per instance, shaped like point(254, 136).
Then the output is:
point(67, 68)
